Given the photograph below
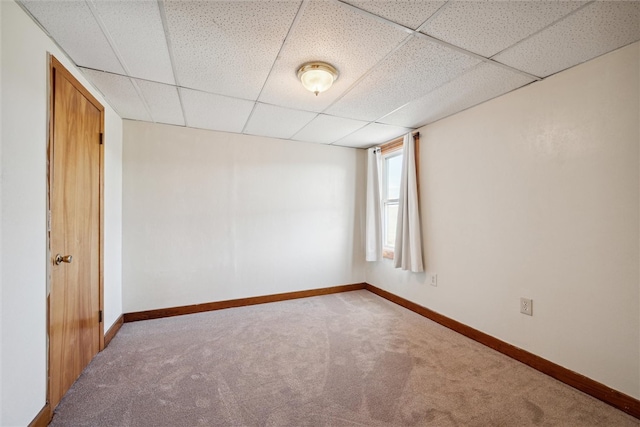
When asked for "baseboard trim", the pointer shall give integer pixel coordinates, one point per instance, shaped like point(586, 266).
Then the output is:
point(578, 381)
point(113, 330)
point(219, 305)
point(43, 418)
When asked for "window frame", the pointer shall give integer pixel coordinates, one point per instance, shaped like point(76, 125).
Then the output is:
point(387, 151)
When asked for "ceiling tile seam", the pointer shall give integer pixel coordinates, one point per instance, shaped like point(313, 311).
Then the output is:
point(294, 24)
point(142, 98)
point(475, 105)
point(433, 39)
point(348, 146)
point(124, 75)
point(413, 33)
point(329, 115)
point(425, 124)
point(64, 52)
point(302, 127)
point(420, 34)
point(191, 89)
point(369, 124)
point(351, 133)
point(319, 114)
point(35, 20)
point(476, 56)
point(116, 52)
point(443, 84)
point(200, 90)
point(246, 122)
point(369, 71)
point(374, 16)
point(315, 113)
point(542, 29)
point(106, 98)
point(468, 70)
point(107, 35)
point(167, 38)
point(591, 59)
point(286, 108)
point(212, 93)
point(433, 16)
point(163, 83)
point(184, 115)
point(342, 146)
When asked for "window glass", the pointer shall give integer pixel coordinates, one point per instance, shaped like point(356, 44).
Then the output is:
point(393, 170)
point(392, 165)
point(391, 219)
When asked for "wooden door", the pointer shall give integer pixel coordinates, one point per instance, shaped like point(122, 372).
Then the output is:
point(75, 202)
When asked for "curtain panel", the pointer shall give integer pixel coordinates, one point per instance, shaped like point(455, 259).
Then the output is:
point(408, 246)
point(373, 232)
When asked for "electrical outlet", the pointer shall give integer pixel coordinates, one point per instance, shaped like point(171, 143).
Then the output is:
point(526, 306)
point(434, 280)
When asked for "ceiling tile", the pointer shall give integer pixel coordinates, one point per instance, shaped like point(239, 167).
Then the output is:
point(488, 27)
point(480, 84)
point(410, 13)
point(137, 31)
point(412, 71)
point(334, 33)
point(227, 47)
point(74, 28)
point(277, 122)
point(228, 52)
point(326, 129)
point(208, 111)
point(163, 101)
point(119, 93)
point(372, 134)
point(592, 31)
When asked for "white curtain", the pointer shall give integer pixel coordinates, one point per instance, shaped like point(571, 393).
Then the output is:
point(373, 219)
point(408, 247)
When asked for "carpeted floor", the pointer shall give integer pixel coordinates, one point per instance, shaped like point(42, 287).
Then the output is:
point(341, 360)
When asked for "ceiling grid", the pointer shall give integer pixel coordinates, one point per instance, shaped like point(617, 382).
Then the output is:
point(116, 52)
point(165, 30)
point(231, 65)
point(583, 5)
point(284, 43)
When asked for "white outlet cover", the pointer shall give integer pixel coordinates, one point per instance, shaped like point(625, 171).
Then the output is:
point(434, 280)
point(526, 306)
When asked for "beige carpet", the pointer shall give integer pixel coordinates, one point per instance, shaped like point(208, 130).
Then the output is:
point(350, 359)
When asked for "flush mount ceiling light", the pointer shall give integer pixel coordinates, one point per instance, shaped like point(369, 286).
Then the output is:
point(317, 77)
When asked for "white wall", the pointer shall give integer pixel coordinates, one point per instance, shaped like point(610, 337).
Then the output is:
point(211, 216)
point(112, 218)
point(536, 194)
point(1, 222)
point(23, 220)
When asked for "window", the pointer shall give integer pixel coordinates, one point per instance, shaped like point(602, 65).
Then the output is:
point(391, 171)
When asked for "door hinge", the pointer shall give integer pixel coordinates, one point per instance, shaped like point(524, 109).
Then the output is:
point(100, 316)
point(101, 138)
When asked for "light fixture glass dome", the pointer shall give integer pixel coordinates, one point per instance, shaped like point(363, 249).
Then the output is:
point(317, 77)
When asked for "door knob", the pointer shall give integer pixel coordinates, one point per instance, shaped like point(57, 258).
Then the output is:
point(60, 259)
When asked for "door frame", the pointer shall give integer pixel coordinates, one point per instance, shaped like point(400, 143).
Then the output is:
point(56, 67)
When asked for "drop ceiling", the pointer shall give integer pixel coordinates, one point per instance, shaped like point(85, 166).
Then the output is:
point(231, 65)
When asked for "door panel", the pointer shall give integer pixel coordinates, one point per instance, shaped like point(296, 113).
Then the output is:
point(74, 298)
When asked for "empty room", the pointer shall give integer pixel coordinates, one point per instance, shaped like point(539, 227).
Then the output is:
point(319, 212)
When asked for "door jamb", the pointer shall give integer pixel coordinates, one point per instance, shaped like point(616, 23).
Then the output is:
point(56, 67)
